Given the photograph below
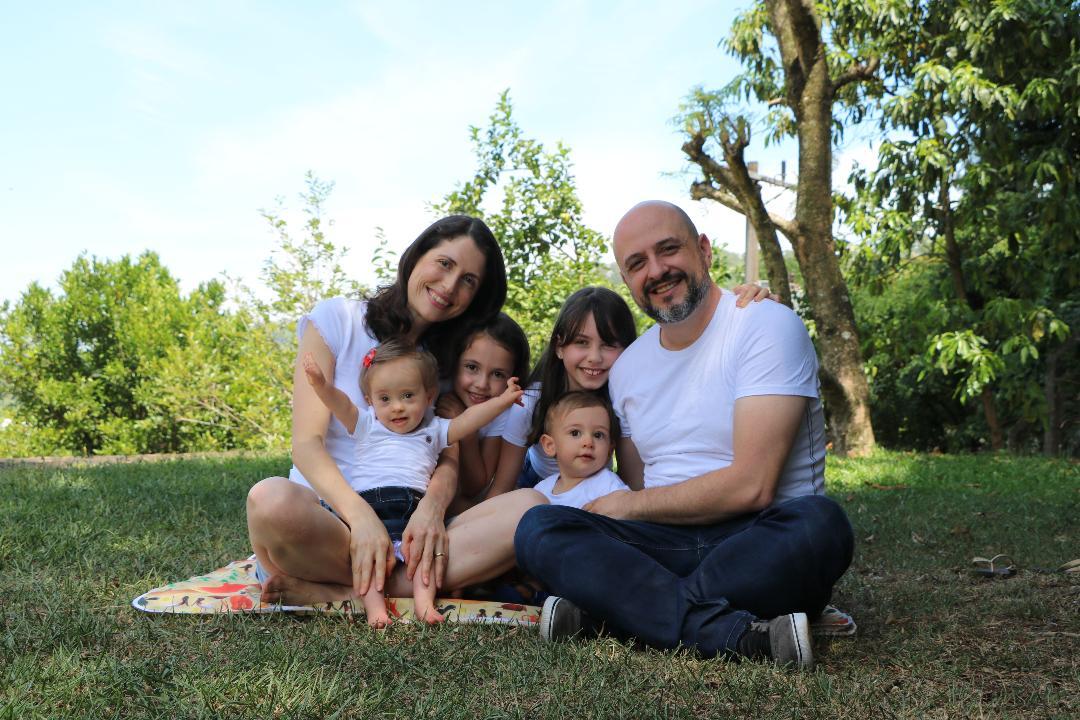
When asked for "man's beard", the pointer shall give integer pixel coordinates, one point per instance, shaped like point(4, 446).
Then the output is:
point(696, 290)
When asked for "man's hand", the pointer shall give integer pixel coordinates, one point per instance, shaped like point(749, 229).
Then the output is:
point(618, 505)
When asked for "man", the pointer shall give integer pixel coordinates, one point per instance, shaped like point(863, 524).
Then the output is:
point(722, 424)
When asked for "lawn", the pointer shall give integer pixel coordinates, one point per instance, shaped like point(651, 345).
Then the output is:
point(77, 543)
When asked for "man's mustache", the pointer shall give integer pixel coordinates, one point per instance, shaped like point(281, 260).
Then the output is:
point(669, 276)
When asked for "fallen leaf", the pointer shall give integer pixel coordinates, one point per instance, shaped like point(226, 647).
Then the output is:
point(917, 538)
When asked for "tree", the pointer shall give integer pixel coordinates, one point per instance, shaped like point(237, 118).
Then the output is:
point(76, 363)
point(803, 71)
point(978, 177)
point(549, 250)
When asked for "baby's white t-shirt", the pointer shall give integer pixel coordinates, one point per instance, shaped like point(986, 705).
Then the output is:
point(602, 483)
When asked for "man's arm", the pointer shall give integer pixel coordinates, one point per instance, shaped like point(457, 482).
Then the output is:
point(764, 431)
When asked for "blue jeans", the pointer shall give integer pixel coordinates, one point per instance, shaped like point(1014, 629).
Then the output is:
point(695, 586)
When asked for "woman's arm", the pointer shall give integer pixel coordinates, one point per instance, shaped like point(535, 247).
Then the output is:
point(424, 542)
point(369, 544)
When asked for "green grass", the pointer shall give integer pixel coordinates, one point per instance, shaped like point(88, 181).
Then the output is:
point(78, 543)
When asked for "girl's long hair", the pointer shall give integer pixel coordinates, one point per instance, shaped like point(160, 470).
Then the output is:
point(388, 313)
point(614, 324)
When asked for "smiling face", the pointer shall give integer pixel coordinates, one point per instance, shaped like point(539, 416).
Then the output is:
point(482, 370)
point(663, 261)
point(444, 282)
point(587, 357)
point(398, 396)
point(580, 441)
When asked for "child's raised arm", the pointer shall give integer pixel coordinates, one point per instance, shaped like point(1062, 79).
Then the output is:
point(477, 416)
point(332, 397)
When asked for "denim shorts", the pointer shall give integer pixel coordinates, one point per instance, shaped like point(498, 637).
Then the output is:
point(393, 505)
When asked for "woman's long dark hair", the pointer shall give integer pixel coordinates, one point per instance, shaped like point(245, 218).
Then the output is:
point(614, 324)
point(388, 311)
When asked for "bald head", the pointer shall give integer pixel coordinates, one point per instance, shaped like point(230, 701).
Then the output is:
point(663, 260)
point(654, 211)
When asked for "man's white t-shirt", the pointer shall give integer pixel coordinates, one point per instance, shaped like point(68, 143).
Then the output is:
point(678, 405)
point(602, 483)
point(389, 459)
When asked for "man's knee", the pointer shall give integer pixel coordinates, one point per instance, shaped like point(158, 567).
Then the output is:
point(534, 525)
point(826, 524)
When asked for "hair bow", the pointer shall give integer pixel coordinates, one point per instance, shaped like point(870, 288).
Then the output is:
point(369, 358)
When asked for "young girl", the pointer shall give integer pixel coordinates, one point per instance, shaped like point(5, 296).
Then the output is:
point(486, 357)
point(398, 442)
point(594, 326)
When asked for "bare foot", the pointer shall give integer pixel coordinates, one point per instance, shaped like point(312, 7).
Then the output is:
point(375, 610)
point(294, 591)
point(429, 615)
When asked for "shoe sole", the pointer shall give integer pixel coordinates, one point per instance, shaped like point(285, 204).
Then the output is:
point(546, 613)
point(800, 627)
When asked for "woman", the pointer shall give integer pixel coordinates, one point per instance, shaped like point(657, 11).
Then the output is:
point(451, 277)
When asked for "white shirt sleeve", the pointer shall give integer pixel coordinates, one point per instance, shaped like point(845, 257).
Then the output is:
point(776, 355)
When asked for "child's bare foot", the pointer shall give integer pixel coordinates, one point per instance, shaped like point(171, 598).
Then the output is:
point(375, 610)
point(294, 591)
point(428, 614)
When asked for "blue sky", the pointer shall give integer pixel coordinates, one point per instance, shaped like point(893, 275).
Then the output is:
point(167, 126)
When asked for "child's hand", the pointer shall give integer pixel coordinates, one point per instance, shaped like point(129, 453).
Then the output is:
point(512, 394)
point(314, 373)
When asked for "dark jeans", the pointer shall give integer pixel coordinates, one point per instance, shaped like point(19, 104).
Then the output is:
point(696, 586)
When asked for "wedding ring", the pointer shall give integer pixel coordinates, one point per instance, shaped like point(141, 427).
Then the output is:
point(440, 554)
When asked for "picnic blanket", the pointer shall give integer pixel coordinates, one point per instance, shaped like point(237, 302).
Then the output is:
point(234, 589)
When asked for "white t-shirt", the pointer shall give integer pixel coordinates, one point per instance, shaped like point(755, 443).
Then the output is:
point(496, 427)
point(592, 487)
point(678, 406)
point(516, 432)
point(341, 324)
point(389, 459)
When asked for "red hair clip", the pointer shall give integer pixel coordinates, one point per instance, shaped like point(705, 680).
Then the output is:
point(369, 358)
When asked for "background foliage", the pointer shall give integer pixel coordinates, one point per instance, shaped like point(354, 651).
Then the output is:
point(960, 246)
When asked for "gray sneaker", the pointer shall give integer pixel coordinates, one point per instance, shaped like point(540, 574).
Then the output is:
point(561, 620)
point(788, 640)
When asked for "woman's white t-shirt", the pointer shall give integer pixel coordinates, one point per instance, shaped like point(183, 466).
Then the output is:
point(341, 323)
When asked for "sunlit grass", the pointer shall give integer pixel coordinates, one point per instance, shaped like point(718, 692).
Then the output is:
point(78, 543)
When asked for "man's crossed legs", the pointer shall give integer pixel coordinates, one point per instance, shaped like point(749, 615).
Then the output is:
point(687, 585)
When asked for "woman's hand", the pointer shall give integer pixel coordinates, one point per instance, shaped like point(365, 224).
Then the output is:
point(449, 406)
point(425, 543)
point(748, 292)
point(370, 550)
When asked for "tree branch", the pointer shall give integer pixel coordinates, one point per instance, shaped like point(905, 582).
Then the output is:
point(857, 73)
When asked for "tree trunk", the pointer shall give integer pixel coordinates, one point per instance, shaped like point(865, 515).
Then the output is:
point(954, 258)
point(809, 92)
